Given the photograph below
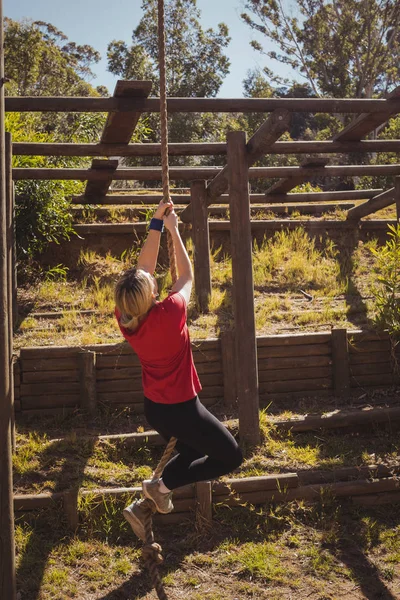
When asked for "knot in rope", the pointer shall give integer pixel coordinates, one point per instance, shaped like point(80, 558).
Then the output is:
point(152, 553)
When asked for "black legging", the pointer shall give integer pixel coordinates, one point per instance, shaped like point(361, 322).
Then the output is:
point(206, 449)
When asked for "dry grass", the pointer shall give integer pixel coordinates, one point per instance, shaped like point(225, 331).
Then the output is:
point(284, 266)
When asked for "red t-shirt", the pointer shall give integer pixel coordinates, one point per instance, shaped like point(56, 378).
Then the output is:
point(162, 344)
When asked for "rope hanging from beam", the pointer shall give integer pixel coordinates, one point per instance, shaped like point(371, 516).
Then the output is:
point(151, 551)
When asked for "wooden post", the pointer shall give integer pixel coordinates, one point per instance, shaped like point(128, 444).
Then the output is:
point(229, 368)
point(204, 502)
point(10, 278)
point(70, 503)
point(201, 243)
point(243, 289)
point(397, 197)
point(340, 360)
point(7, 547)
point(87, 366)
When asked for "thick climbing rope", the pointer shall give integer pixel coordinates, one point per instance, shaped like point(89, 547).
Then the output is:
point(151, 551)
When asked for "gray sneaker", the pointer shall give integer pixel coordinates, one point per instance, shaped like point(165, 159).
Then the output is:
point(135, 517)
point(162, 501)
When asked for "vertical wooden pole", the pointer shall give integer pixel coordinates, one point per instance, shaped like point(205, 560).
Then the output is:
point(7, 547)
point(397, 197)
point(201, 243)
point(10, 242)
point(70, 502)
point(243, 289)
point(229, 368)
point(204, 502)
point(340, 363)
point(88, 393)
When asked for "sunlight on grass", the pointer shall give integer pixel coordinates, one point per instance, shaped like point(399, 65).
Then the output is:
point(259, 560)
point(29, 448)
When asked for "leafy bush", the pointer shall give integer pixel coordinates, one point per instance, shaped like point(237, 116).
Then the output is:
point(387, 292)
point(42, 216)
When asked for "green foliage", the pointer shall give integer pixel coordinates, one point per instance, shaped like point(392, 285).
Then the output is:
point(387, 292)
point(42, 216)
point(40, 60)
point(342, 48)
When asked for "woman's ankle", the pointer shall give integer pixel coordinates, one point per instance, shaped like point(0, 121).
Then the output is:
point(162, 487)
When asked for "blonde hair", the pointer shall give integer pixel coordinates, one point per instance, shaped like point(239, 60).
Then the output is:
point(133, 297)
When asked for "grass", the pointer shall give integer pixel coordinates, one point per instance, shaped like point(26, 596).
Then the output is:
point(43, 465)
point(324, 550)
point(337, 278)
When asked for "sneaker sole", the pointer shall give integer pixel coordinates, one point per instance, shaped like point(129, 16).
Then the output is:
point(146, 493)
point(135, 523)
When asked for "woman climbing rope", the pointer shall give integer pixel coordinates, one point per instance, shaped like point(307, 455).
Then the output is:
point(158, 333)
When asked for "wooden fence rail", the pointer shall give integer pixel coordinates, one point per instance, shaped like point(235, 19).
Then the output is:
point(228, 105)
point(197, 148)
point(289, 366)
point(190, 173)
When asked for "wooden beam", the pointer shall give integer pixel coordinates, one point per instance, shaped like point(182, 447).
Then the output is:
point(243, 289)
point(197, 148)
point(120, 125)
point(87, 375)
point(256, 225)
point(134, 213)
point(371, 206)
point(99, 187)
point(257, 146)
point(11, 272)
point(201, 243)
point(228, 105)
point(143, 199)
point(365, 123)
point(7, 545)
point(190, 173)
point(118, 129)
point(397, 197)
point(340, 359)
point(285, 185)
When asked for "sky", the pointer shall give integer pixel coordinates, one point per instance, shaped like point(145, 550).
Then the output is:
point(97, 22)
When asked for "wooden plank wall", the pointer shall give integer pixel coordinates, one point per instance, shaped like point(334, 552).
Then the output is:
point(289, 366)
point(372, 361)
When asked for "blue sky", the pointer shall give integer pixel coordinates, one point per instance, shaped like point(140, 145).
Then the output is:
point(97, 22)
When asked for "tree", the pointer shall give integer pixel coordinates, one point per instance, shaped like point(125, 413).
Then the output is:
point(195, 60)
point(196, 64)
point(343, 48)
point(41, 61)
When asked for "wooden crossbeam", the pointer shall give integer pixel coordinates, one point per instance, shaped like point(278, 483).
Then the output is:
point(228, 105)
point(376, 203)
point(143, 199)
point(198, 148)
point(190, 173)
point(100, 188)
point(271, 130)
point(118, 129)
point(367, 122)
point(283, 186)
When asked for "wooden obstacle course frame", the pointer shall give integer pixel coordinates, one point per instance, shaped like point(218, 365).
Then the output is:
point(374, 111)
